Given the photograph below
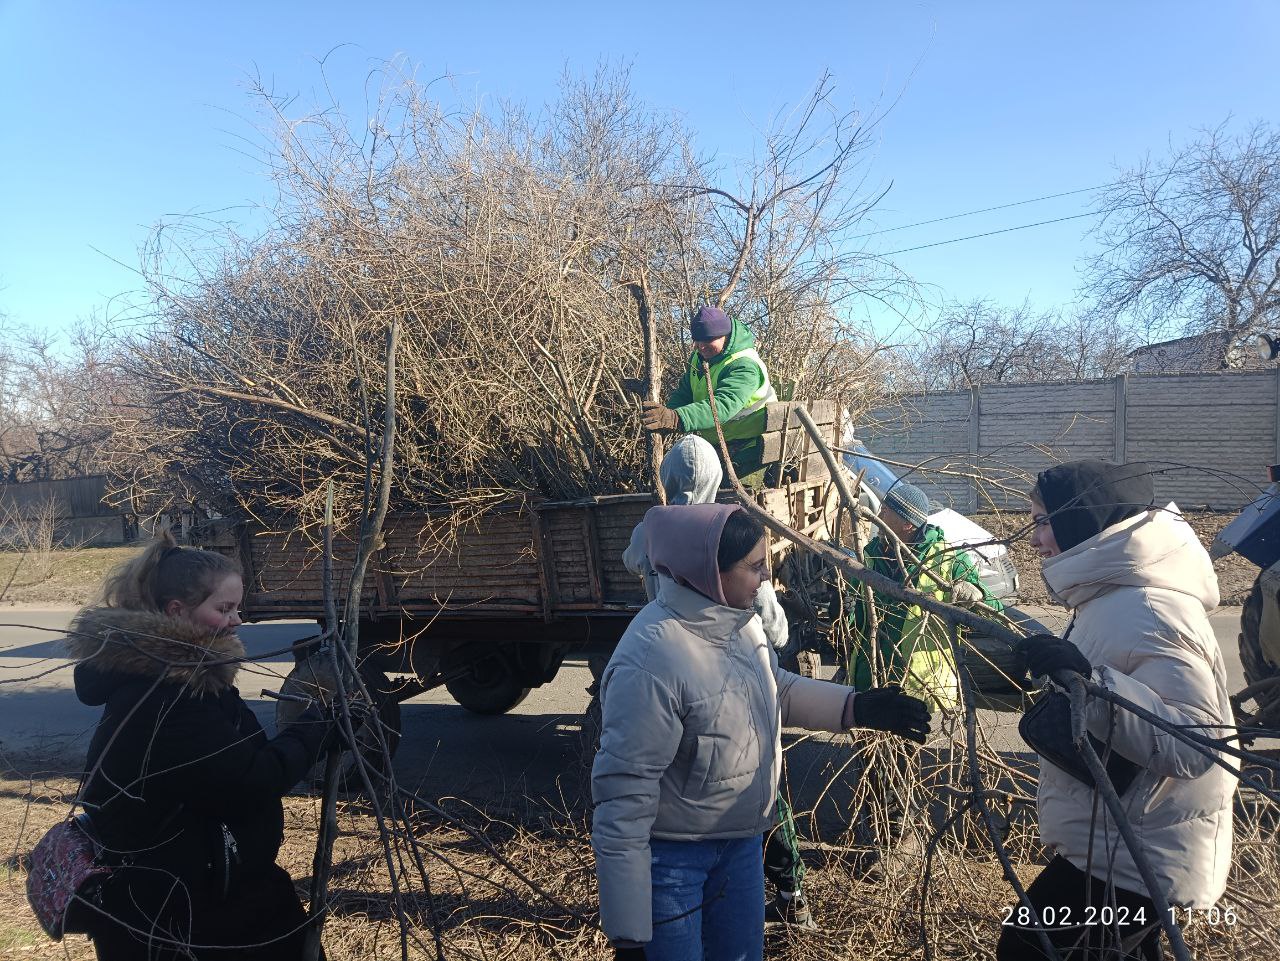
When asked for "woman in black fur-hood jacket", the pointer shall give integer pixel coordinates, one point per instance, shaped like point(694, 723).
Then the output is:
point(182, 785)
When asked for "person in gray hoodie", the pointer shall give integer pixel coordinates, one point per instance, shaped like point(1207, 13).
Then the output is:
point(690, 474)
point(686, 776)
point(1140, 586)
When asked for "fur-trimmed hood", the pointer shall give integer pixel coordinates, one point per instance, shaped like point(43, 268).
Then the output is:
point(114, 641)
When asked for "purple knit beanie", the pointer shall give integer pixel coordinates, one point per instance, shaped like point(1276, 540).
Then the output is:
point(708, 323)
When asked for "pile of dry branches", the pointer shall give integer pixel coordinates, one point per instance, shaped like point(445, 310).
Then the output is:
point(518, 253)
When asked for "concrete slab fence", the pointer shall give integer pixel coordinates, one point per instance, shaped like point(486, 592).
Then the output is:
point(1210, 436)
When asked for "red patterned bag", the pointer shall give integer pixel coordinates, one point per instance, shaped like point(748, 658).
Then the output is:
point(64, 868)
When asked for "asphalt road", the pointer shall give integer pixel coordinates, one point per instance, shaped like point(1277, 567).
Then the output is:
point(530, 754)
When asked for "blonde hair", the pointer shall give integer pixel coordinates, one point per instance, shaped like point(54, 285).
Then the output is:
point(164, 571)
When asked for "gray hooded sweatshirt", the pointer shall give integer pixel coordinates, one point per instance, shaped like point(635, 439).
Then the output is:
point(691, 474)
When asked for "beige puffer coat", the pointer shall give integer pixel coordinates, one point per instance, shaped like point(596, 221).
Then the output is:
point(1140, 591)
point(694, 703)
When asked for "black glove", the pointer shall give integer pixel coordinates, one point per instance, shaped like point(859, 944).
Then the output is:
point(314, 727)
point(337, 737)
point(888, 709)
point(634, 385)
point(628, 954)
point(1047, 653)
point(321, 724)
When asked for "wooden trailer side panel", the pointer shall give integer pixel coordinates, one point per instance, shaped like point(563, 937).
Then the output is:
point(614, 524)
point(491, 564)
point(555, 559)
point(285, 574)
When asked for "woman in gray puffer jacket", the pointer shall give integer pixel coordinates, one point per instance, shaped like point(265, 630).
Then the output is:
point(1140, 586)
point(686, 776)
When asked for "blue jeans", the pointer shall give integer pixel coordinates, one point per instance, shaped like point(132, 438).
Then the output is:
point(708, 900)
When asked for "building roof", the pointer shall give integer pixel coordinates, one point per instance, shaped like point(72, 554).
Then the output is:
point(1195, 354)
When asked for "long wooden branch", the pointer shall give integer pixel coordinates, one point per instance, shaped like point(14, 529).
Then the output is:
point(1080, 732)
point(850, 500)
point(748, 242)
point(878, 582)
point(652, 377)
point(322, 858)
point(349, 639)
point(978, 793)
point(846, 564)
point(371, 524)
point(318, 416)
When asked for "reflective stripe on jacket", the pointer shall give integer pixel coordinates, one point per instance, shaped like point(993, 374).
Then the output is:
point(914, 648)
point(749, 420)
point(742, 386)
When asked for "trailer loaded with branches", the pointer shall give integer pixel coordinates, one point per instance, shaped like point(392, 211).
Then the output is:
point(489, 607)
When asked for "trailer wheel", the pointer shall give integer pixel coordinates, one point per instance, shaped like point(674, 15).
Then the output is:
point(490, 686)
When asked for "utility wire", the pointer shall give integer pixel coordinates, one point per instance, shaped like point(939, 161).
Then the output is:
point(991, 233)
point(1018, 203)
point(987, 210)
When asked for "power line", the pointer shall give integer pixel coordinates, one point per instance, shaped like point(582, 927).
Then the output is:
point(990, 233)
point(987, 210)
point(1139, 175)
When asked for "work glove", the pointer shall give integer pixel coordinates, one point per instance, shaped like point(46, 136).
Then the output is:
point(314, 727)
point(888, 709)
point(360, 712)
point(964, 594)
point(658, 419)
point(635, 953)
point(1047, 653)
point(320, 723)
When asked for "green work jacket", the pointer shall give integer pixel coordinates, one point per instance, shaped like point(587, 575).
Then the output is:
point(742, 389)
point(913, 647)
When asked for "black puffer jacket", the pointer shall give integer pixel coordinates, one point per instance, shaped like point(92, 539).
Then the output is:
point(183, 784)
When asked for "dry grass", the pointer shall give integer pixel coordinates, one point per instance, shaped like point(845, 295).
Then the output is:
point(73, 575)
point(481, 910)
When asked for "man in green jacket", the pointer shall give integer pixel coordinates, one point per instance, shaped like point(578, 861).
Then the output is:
point(912, 647)
point(913, 650)
point(742, 390)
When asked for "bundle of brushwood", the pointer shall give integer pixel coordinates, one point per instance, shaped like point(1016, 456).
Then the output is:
point(527, 259)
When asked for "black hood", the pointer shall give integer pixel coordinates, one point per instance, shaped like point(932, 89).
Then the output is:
point(1085, 497)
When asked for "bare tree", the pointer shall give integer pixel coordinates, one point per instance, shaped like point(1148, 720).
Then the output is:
point(1191, 243)
point(772, 246)
point(981, 342)
point(49, 383)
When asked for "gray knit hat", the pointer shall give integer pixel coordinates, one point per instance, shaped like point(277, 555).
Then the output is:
point(908, 502)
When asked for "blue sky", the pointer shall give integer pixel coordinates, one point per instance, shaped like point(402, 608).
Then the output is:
point(117, 116)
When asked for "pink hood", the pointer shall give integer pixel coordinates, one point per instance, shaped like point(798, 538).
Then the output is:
point(682, 542)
